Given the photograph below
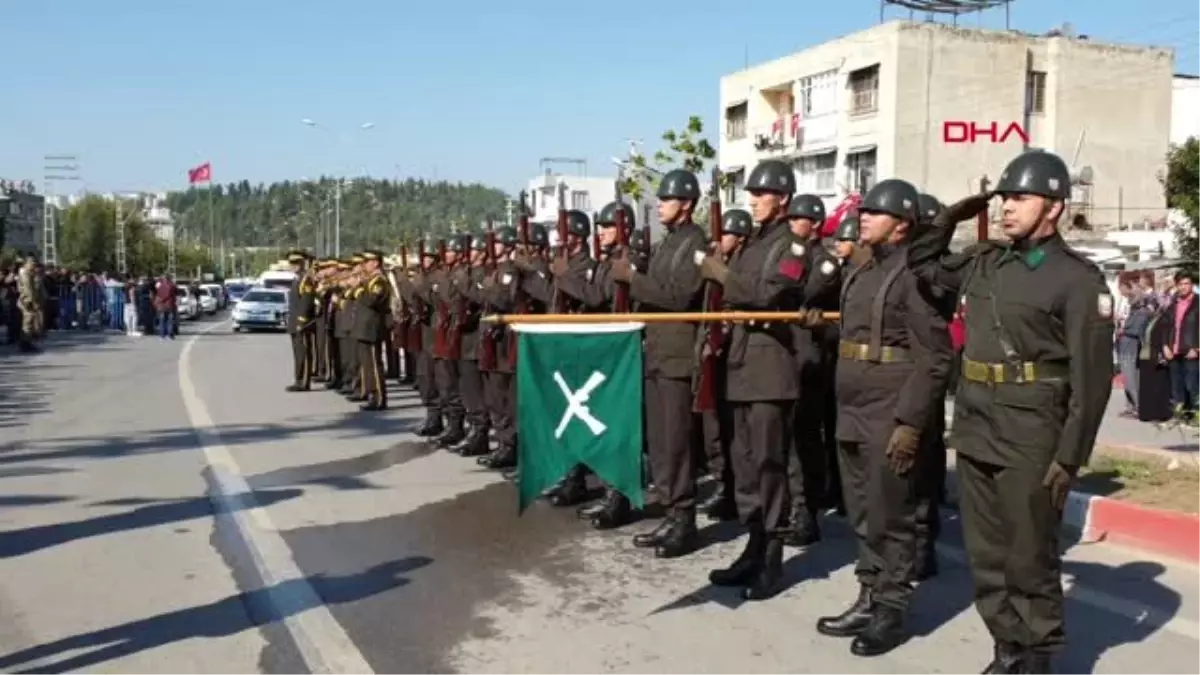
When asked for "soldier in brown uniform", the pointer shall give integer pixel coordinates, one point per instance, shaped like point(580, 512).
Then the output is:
point(445, 364)
point(893, 361)
point(541, 285)
point(373, 304)
point(352, 382)
point(300, 317)
point(1036, 379)
point(736, 226)
point(418, 292)
point(761, 381)
point(499, 390)
point(672, 283)
point(465, 308)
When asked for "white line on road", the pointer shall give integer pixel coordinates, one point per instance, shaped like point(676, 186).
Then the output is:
point(321, 640)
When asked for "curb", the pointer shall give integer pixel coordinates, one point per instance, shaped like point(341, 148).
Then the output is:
point(1168, 533)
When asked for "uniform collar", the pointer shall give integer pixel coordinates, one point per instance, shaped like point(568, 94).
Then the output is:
point(884, 251)
point(1033, 252)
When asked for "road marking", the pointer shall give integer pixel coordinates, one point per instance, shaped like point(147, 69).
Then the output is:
point(321, 640)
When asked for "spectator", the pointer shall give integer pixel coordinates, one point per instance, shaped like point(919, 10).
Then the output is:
point(164, 307)
point(1140, 307)
point(1181, 347)
point(132, 327)
point(1154, 380)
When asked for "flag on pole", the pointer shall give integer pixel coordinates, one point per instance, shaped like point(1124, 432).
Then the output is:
point(579, 401)
point(200, 174)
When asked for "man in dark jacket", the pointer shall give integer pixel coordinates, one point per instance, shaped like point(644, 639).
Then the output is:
point(1181, 343)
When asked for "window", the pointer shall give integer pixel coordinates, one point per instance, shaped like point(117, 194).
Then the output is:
point(860, 171)
point(864, 90)
point(737, 183)
point(580, 201)
point(1035, 91)
point(735, 121)
point(817, 95)
point(817, 173)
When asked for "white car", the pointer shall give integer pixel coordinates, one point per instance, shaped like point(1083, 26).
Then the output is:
point(208, 301)
point(218, 292)
point(261, 308)
point(185, 305)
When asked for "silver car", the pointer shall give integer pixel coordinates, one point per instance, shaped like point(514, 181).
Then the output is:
point(261, 308)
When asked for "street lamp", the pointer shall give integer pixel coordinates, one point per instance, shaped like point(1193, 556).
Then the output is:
point(337, 226)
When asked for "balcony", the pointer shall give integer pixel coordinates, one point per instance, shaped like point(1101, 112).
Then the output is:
point(792, 135)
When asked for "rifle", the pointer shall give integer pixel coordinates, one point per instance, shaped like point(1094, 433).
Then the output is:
point(458, 320)
point(706, 385)
point(416, 315)
point(441, 323)
point(560, 298)
point(521, 300)
point(402, 318)
point(487, 334)
point(621, 292)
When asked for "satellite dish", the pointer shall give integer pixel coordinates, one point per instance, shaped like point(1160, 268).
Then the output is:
point(1082, 175)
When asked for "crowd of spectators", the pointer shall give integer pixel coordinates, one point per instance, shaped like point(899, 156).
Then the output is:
point(1158, 346)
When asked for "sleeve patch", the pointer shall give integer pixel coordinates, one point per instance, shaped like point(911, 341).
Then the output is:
point(791, 268)
point(827, 267)
point(1104, 306)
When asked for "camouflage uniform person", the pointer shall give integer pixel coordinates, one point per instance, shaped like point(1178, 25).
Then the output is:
point(30, 304)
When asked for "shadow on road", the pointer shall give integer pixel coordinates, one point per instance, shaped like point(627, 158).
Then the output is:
point(218, 619)
point(20, 542)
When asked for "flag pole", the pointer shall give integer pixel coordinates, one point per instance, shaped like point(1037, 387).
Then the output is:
point(212, 222)
point(655, 317)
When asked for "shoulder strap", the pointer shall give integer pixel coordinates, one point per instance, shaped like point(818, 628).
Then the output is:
point(875, 343)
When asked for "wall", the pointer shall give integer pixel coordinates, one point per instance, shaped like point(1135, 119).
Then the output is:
point(1185, 108)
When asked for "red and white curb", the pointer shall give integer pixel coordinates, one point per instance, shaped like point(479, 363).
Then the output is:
point(1168, 533)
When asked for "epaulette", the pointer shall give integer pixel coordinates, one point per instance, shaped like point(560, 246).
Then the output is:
point(1088, 264)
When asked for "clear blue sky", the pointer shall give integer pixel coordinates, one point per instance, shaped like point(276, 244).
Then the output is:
point(472, 90)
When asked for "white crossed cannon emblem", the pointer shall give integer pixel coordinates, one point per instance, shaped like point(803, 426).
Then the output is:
point(577, 404)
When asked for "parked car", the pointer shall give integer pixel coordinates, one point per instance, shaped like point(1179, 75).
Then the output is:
point(218, 292)
point(208, 302)
point(261, 308)
point(235, 291)
point(186, 305)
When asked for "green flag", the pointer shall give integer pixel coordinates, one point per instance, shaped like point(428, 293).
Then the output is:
point(579, 401)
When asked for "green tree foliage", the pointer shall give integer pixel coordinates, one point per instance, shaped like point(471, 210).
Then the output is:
point(375, 213)
point(685, 148)
point(1182, 186)
point(88, 241)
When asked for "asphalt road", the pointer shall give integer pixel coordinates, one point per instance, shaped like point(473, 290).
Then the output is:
point(167, 507)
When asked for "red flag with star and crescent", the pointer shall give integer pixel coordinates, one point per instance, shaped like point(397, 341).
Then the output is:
point(200, 174)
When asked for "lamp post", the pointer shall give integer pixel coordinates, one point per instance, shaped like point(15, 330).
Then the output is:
point(337, 196)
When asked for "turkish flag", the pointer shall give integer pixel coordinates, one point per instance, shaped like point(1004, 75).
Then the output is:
point(200, 174)
point(847, 207)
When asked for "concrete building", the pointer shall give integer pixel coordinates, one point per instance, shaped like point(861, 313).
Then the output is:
point(943, 106)
point(1185, 108)
point(22, 211)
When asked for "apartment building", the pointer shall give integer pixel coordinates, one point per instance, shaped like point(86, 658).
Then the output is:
point(22, 213)
point(944, 106)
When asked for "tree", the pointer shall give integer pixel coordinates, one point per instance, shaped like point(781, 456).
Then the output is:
point(1182, 187)
point(685, 148)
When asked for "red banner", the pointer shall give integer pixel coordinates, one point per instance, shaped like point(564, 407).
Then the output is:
point(200, 174)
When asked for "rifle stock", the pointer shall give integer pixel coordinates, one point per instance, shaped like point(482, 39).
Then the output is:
point(487, 334)
point(713, 336)
point(441, 323)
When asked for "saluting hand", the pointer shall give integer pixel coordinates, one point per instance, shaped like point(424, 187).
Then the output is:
point(963, 209)
point(902, 449)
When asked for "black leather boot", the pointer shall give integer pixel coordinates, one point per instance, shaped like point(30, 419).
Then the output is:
point(333, 384)
point(476, 444)
point(653, 537)
point(925, 564)
point(852, 621)
point(769, 581)
point(1007, 658)
point(373, 404)
point(572, 490)
point(453, 436)
point(297, 387)
point(804, 531)
point(432, 426)
point(745, 568)
point(505, 457)
point(615, 511)
point(681, 539)
point(1039, 662)
point(719, 506)
point(883, 633)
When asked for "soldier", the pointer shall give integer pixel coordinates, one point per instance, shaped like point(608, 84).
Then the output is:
point(466, 283)
point(300, 320)
point(372, 305)
point(761, 382)
point(931, 460)
point(845, 240)
point(807, 469)
point(894, 358)
point(333, 292)
point(1037, 370)
point(848, 254)
point(446, 362)
point(671, 283)
point(497, 294)
point(736, 226)
point(29, 304)
point(419, 294)
point(323, 270)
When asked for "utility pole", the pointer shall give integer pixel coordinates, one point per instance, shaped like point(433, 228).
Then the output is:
point(122, 265)
point(337, 222)
point(56, 168)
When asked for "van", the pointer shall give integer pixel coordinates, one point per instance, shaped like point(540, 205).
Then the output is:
point(277, 279)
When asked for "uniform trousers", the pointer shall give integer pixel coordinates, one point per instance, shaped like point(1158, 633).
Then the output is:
point(501, 405)
point(762, 438)
point(1010, 528)
point(303, 353)
point(880, 506)
point(668, 405)
point(931, 480)
point(370, 363)
point(320, 365)
point(426, 381)
point(445, 374)
point(807, 465)
point(470, 387)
